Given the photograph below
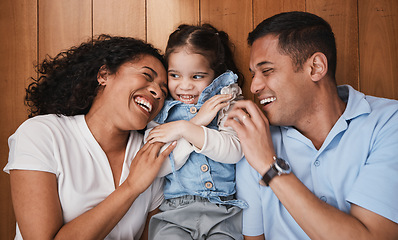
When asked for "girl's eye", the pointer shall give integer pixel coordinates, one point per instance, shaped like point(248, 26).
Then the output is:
point(173, 75)
point(198, 77)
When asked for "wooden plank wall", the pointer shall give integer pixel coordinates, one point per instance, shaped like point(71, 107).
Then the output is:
point(366, 33)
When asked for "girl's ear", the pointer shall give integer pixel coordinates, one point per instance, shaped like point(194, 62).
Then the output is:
point(319, 66)
point(102, 75)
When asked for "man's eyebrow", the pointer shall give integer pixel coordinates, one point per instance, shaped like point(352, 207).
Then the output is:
point(260, 64)
point(153, 71)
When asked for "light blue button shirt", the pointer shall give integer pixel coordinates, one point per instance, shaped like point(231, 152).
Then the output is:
point(200, 175)
point(357, 163)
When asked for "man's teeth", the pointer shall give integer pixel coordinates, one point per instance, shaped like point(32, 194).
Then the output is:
point(267, 100)
point(144, 104)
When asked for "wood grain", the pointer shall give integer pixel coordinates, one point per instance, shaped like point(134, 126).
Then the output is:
point(263, 9)
point(342, 16)
point(119, 17)
point(378, 45)
point(18, 50)
point(235, 18)
point(163, 17)
point(63, 24)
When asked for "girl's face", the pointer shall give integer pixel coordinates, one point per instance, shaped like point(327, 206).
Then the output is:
point(188, 74)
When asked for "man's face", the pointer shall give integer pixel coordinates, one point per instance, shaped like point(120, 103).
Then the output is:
point(283, 92)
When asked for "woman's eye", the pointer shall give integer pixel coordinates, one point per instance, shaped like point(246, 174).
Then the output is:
point(148, 77)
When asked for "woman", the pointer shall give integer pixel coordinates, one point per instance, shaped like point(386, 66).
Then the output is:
point(78, 168)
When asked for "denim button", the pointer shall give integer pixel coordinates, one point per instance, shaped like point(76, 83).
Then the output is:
point(204, 168)
point(317, 163)
point(323, 198)
point(208, 185)
point(193, 110)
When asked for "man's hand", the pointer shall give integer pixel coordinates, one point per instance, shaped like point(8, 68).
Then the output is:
point(254, 134)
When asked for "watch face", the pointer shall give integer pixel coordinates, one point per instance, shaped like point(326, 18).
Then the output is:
point(283, 164)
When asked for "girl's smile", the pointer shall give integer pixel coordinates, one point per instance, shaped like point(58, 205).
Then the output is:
point(189, 74)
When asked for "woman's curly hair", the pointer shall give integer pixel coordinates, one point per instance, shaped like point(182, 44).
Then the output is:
point(67, 84)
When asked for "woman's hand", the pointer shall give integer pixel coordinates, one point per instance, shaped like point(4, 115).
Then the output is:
point(146, 165)
point(210, 109)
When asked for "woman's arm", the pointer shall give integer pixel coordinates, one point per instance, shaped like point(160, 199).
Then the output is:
point(39, 212)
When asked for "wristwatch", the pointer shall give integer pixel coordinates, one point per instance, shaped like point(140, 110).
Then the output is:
point(278, 167)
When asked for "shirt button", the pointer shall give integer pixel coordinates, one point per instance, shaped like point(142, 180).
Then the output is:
point(204, 168)
point(323, 198)
point(317, 163)
point(193, 110)
point(208, 185)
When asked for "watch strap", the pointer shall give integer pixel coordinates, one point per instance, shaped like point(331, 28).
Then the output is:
point(269, 175)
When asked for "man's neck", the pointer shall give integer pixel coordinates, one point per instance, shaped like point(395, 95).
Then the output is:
point(324, 116)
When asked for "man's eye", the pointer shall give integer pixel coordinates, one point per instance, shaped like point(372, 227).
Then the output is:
point(267, 71)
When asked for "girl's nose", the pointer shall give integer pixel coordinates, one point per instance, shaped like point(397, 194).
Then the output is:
point(186, 85)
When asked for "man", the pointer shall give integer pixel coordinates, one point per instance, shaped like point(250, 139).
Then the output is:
point(330, 170)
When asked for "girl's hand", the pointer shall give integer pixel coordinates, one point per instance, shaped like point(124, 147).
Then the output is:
point(210, 109)
point(168, 132)
point(146, 165)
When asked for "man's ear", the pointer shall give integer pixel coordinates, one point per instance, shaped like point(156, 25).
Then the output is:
point(102, 75)
point(319, 66)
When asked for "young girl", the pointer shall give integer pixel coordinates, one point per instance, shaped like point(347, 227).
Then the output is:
point(200, 180)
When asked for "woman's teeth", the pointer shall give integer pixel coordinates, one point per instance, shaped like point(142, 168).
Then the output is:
point(267, 100)
point(142, 102)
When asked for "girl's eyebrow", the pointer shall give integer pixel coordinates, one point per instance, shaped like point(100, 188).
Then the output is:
point(153, 71)
point(203, 73)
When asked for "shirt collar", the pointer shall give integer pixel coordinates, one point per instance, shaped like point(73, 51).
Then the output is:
point(356, 102)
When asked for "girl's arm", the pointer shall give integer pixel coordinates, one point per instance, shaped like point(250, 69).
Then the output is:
point(222, 146)
point(181, 152)
point(39, 213)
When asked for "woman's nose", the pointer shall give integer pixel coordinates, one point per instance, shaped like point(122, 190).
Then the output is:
point(155, 90)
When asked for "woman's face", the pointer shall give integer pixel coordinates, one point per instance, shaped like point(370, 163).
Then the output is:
point(134, 95)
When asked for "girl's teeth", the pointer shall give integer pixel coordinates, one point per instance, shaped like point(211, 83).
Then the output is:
point(267, 100)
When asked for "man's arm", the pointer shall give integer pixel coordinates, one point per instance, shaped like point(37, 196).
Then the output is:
point(318, 219)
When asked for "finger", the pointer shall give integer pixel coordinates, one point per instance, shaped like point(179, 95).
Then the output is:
point(153, 150)
point(238, 127)
point(167, 151)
